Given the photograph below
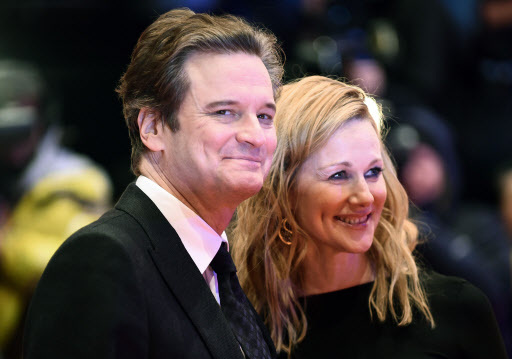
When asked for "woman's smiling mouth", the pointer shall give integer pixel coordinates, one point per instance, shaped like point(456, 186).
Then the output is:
point(353, 221)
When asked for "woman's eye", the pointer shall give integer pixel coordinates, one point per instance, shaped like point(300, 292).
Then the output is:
point(373, 172)
point(341, 175)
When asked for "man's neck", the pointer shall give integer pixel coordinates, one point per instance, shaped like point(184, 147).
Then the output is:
point(213, 211)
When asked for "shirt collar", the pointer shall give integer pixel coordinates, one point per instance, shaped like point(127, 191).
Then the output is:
point(199, 239)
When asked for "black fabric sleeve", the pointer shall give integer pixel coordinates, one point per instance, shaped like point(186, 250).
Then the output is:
point(479, 334)
point(88, 304)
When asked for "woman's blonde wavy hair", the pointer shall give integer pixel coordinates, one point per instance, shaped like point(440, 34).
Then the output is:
point(309, 111)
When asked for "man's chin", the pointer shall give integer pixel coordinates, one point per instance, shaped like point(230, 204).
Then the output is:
point(245, 187)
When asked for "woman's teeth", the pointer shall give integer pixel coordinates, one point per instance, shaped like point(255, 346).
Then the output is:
point(353, 220)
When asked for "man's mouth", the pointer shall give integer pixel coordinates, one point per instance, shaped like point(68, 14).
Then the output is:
point(245, 158)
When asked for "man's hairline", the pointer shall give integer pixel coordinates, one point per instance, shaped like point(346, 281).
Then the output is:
point(187, 80)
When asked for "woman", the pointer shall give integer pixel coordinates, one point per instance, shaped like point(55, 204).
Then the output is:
point(324, 250)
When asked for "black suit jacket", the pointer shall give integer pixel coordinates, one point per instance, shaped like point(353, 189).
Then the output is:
point(125, 287)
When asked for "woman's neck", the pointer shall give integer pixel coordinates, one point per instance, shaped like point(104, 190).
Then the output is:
point(328, 272)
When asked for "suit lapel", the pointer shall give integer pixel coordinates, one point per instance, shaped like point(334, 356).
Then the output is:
point(181, 274)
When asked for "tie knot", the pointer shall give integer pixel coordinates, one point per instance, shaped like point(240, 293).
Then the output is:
point(222, 262)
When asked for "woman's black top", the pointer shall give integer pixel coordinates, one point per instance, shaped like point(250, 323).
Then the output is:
point(340, 325)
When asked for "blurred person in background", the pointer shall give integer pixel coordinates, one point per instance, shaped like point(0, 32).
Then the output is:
point(505, 196)
point(460, 238)
point(47, 192)
point(504, 186)
point(324, 250)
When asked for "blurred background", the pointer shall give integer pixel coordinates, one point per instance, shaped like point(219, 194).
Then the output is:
point(442, 70)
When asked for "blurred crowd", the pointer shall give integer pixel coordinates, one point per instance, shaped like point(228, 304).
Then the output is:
point(47, 192)
point(441, 69)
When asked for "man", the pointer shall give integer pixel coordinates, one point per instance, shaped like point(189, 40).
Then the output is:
point(198, 100)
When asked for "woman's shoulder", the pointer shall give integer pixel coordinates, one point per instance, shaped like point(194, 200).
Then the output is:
point(454, 296)
point(463, 313)
point(437, 284)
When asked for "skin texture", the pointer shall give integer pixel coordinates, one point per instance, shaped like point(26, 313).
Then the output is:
point(222, 152)
point(340, 196)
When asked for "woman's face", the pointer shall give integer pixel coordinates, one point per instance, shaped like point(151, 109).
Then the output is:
point(341, 191)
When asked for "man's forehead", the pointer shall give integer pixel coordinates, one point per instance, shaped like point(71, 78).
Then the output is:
point(236, 67)
point(226, 77)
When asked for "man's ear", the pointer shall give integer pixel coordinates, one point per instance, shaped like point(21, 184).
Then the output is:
point(151, 129)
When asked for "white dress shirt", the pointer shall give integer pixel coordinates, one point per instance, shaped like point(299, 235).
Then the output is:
point(199, 239)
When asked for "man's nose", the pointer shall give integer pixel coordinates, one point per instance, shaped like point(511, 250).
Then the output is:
point(250, 131)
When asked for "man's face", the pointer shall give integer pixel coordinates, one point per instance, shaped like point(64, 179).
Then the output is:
point(226, 138)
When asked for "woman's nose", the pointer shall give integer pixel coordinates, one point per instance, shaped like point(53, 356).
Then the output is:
point(361, 194)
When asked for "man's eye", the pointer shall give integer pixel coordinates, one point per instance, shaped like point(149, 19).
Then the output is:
point(341, 175)
point(224, 112)
point(265, 118)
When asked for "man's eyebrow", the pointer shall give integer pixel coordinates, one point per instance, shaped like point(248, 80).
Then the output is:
point(217, 104)
point(271, 106)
